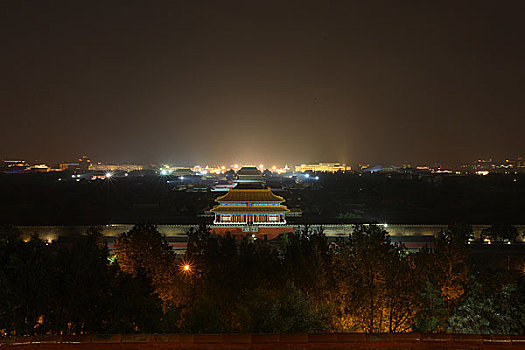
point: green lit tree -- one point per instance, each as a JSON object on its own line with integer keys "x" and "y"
{"x": 432, "y": 313}
{"x": 490, "y": 312}
{"x": 284, "y": 310}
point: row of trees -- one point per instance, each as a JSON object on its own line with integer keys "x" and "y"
{"x": 500, "y": 232}
{"x": 298, "y": 283}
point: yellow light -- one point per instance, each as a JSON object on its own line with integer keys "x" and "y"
{"x": 186, "y": 267}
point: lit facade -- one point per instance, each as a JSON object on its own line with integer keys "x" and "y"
{"x": 115, "y": 167}
{"x": 322, "y": 167}
{"x": 250, "y": 208}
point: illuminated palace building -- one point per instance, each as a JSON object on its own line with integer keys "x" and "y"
{"x": 250, "y": 208}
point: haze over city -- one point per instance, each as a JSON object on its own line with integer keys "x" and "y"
{"x": 271, "y": 82}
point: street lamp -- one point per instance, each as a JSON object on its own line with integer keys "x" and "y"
{"x": 186, "y": 267}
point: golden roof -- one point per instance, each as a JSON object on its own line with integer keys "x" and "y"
{"x": 253, "y": 210}
{"x": 250, "y": 195}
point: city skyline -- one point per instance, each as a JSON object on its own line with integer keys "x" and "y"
{"x": 237, "y": 163}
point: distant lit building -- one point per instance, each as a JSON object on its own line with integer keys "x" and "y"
{"x": 507, "y": 166}
{"x": 381, "y": 169}
{"x": 40, "y": 168}
{"x": 223, "y": 186}
{"x": 115, "y": 167}
{"x": 206, "y": 170}
{"x": 323, "y": 167}
{"x": 250, "y": 208}
{"x": 176, "y": 170}
{"x": 13, "y": 166}
{"x": 520, "y": 165}
{"x": 81, "y": 165}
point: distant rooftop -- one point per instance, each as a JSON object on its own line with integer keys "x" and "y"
{"x": 250, "y": 175}
{"x": 249, "y": 170}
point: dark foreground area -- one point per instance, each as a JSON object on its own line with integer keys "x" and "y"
{"x": 301, "y": 282}
{"x": 269, "y": 341}
{"x": 58, "y": 199}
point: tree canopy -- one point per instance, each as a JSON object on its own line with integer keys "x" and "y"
{"x": 300, "y": 282}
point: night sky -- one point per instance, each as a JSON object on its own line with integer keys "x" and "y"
{"x": 259, "y": 81}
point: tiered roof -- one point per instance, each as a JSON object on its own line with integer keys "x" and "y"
{"x": 257, "y": 209}
{"x": 250, "y": 175}
{"x": 250, "y": 196}
{"x": 239, "y": 195}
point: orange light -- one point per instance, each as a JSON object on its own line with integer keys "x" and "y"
{"x": 186, "y": 268}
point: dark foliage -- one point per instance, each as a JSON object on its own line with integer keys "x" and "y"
{"x": 298, "y": 283}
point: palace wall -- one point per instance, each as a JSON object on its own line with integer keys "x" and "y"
{"x": 48, "y": 232}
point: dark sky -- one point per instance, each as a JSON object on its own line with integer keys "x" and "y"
{"x": 261, "y": 81}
